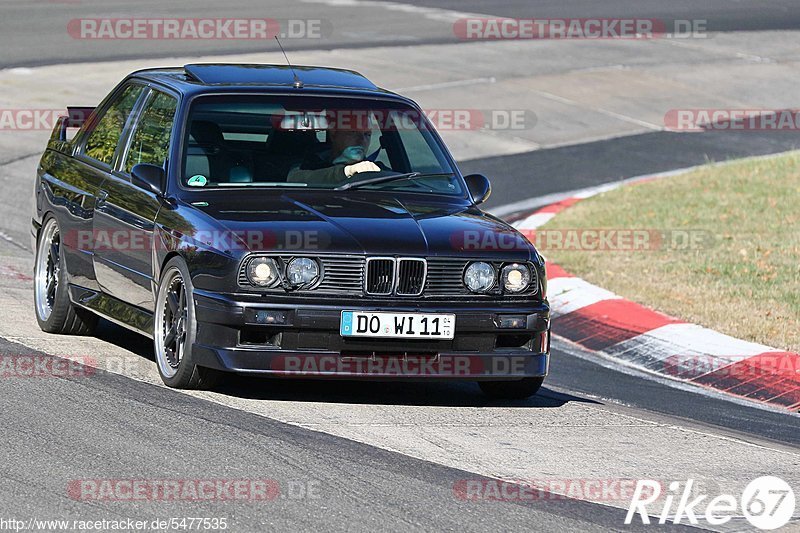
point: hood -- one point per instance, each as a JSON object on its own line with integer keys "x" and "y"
{"x": 372, "y": 224}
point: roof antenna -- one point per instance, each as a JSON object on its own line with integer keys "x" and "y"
{"x": 297, "y": 83}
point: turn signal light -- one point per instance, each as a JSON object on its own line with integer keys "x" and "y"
{"x": 512, "y": 321}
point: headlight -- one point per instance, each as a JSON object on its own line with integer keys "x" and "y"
{"x": 302, "y": 271}
{"x": 262, "y": 271}
{"x": 515, "y": 277}
{"x": 479, "y": 276}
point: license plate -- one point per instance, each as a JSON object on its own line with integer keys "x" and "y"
{"x": 397, "y": 325}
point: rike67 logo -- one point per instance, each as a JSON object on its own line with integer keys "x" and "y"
{"x": 767, "y": 503}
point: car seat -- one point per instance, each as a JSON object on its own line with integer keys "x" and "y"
{"x": 208, "y": 155}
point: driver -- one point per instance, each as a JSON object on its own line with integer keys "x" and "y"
{"x": 337, "y": 165}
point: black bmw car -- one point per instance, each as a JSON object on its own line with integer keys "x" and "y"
{"x": 283, "y": 221}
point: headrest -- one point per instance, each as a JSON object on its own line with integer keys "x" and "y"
{"x": 206, "y": 132}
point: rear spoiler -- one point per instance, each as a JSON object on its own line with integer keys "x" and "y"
{"x": 76, "y": 117}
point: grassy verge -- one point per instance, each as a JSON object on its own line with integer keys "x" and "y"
{"x": 739, "y": 272}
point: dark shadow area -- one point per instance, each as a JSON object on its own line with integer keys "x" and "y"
{"x": 541, "y": 172}
{"x": 125, "y": 339}
{"x": 440, "y": 394}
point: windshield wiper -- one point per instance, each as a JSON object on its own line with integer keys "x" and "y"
{"x": 385, "y": 179}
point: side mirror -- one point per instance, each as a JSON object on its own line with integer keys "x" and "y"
{"x": 479, "y": 187}
{"x": 148, "y": 177}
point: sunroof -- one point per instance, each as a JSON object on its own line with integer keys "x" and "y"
{"x": 232, "y": 74}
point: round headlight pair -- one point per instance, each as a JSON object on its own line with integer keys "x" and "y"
{"x": 480, "y": 277}
{"x": 264, "y": 271}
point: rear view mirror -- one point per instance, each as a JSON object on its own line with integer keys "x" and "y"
{"x": 148, "y": 177}
{"x": 479, "y": 187}
{"x": 304, "y": 122}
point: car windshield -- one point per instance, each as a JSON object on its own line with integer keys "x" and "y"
{"x": 239, "y": 141}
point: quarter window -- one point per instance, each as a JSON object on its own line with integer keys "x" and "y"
{"x": 103, "y": 140}
{"x": 150, "y": 143}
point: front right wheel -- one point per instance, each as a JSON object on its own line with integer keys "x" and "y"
{"x": 511, "y": 390}
{"x": 175, "y": 329}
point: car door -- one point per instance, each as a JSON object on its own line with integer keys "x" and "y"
{"x": 125, "y": 215}
{"x": 75, "y": 181}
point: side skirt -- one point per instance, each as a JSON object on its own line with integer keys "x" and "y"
{"x": 113, "y": 310}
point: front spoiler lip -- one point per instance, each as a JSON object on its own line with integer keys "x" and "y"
{"x": 500, "y": 364}
{"x": 464, "y": 366}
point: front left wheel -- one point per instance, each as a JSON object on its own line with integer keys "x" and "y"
{"x": 175, "y": 329}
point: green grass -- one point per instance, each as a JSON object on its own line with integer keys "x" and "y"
{"x": 744, "y": 277}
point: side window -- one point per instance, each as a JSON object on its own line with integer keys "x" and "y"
{"x": 103, "y": 139}
{"x": 150, "y": 142}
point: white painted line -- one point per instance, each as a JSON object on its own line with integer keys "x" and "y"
{"x": 6, "y": 237}
{"x": 430, "y": 13}
{"x": 446, "y": 85}
{"x": 602, "y": 111}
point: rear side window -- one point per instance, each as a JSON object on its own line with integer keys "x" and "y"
{"x": 150, "y": 142}
{"x": 103, "y": 140}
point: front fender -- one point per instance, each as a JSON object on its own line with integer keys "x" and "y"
{"x": 211, "y": 253}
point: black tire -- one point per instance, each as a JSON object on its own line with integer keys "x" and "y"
{"x": 178, "y": 372}
{"x": 511, "y": 390}
{"x": 55, "y": 313}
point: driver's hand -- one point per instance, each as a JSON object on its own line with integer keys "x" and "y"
{"x": 364, "y": 166}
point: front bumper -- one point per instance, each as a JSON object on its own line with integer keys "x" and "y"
{"x": 232, "y": 337}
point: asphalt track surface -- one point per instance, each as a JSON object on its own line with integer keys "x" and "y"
{"x": 76, "y": 429}
{"x": 721, "y": 15}
{"x": 112, "y": 426}
{"x": 34, "y": 31}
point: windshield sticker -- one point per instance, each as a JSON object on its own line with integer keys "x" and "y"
{"x": 198, "y": 180}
